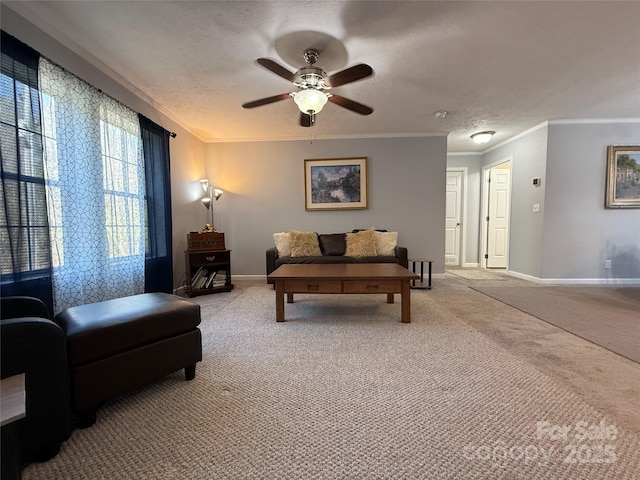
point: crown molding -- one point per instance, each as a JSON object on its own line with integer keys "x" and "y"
{"x": 323, "y": 137}
{"x": 23, "y": 10}
{"x": 592, "y": 121}
{"x": 518, "y": 136}
{"x": 464, "y": 154}
{"x": 577, "y": 121}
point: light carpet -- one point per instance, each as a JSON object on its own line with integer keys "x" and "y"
{"x": 343, "y": 389}
{"x": 606, "y": 316}
{"x": 478, "y": 273}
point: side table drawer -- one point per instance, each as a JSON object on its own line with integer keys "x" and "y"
{"x": 313, "y": 286}
{"x": 372, "y": 286}
{"x": 208, "y": 258}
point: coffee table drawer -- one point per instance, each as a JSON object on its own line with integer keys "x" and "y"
{"x": 372, "y": 286}
{"x": 313, "y": 286}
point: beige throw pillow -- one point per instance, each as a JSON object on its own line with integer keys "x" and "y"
{"x": 305, "y": 244}
{"x": 361, "y": 244}
{"x": 283, "y": 243}
{"x": 386, "y": 243}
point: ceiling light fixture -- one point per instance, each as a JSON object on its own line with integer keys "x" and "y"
{"x": 440, "y": 114}
{"x": 483, "y": 137}
{"x": 310, "y": 101}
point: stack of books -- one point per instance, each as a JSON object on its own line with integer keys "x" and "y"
{"x": 205, "y": 278}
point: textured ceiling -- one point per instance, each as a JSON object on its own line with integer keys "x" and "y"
{"x": 503, "y": 66}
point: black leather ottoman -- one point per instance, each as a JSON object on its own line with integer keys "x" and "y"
{"x": 118, "y": 345}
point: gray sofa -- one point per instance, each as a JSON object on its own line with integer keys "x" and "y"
{"x": 333, "y": 247}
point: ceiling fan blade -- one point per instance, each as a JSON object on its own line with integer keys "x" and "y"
{"x": 351, "y": 105}
{"x": 351, "y": 74}
{"x": 305, "y": 120}
{"x": 266, "y": 101}
{"x": 277, "y": 69}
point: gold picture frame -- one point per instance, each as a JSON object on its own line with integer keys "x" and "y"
{"x": 623, "y": 176}
{"x": 336, "y": 184}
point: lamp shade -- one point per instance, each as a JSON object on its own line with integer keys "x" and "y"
{"x": 310, "y": 101}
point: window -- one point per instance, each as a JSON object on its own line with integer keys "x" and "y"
{"x": 122, "y": 197}
{"x": 95, "y": 182}
{"x": 23, "y": 219}
{"x": 73, "y": 186}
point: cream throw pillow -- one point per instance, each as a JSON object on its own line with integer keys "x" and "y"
{"x": 361, "y": 244}
{"x": 386, "y": 243}
{"x": 283, "y": 243}
{"x": 305, "y": 244}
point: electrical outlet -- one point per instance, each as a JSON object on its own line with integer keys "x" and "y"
{"x": 536, "y": 208}
{"x": 607, "y": 263}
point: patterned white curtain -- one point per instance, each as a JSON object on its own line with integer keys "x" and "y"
{"x": 94, "y": 173}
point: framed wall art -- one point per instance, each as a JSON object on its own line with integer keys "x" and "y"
{"x": 335, "y": 183}
{"x": 623, "y": 177}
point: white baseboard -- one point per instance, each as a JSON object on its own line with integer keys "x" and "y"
{"x": 550, "y": 281}
{"x": 592, "y": 281}
{"x": 576, "y": 281}
{"x": 524, "y": 276}
{"x": 249, "y": 277}
{"x": 471, "y": 265}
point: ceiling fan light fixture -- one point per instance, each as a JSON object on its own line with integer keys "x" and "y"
{"x": 312, "y": 83}
{"x": 310, "y": 101}
{"x": 482, "y": 137}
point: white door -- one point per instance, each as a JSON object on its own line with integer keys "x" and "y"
{"x": 498, "y": 221}
{"x": 453, "y": 218}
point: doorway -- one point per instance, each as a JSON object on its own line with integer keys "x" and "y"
{"x": 496, "y": 208}
{"x": 454, "y": 254}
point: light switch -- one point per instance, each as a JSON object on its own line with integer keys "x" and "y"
{"x": 536, "y": 208}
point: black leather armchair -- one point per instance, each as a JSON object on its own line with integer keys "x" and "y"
{"x": 34, "y": 345}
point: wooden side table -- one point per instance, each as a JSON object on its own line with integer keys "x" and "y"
{"x": 420, "y": 285}
{"x": 13, "y": 399}
{"x": 13, "y": 408}
{"x": 208, "y": 271}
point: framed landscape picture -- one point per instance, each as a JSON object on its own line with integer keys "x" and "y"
{"x": 335, "y": 183}
{"x": 623, "y": 177}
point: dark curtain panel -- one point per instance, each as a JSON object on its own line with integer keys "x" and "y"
{"x": 24, "y": 226}
{"x": 158, "y": 264}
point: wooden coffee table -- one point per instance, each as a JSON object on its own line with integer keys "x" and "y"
{"x": 385, "y": 278}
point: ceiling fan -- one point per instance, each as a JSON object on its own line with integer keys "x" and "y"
{"x": 313, "y": 85}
